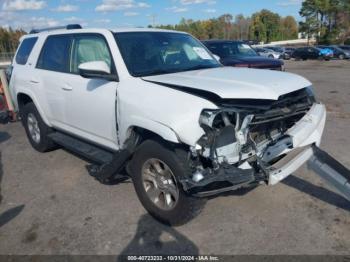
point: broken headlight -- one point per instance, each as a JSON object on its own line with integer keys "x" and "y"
{"x": 217, "y": 119}
{"x": 310, "y": 93}
{"x": 207, "y": 117}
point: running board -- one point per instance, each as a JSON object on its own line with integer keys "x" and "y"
{"x": 329, "y": 169}
{"x": 82, "y": 148}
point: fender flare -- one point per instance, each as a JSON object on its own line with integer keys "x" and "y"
{"x": 37, "y": 105}
{"x": 164, "y": 131}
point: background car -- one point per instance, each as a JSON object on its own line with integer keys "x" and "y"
{"x": 305, "y": 53}
{"x": 268, "y": 53}
{"x": 345, "y": 47}
{"x": 325, "y": 51}
{"x": 339, "y": 52}
{"x": 289, "y": 51}
{"x": 239, "y": 54}
{"x": 281, "y": 50}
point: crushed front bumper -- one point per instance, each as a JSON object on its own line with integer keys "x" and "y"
{"x": 305, "y": 133}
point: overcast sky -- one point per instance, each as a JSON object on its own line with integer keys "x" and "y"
{"x": 111, "y": 14}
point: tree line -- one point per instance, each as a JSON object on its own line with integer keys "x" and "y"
{"x": 327, "y": 20}
{"x": 9, "y": 39}
{"x": 264, "y": 26}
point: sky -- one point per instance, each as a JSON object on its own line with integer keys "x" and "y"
{"x": 28, "y": 14}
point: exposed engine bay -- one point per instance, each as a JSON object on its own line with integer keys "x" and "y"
{"x": 243, "y": 138}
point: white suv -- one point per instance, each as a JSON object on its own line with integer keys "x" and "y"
{"x": 159, "y": 104}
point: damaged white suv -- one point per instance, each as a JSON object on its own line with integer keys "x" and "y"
{"x": 158, "y": 104}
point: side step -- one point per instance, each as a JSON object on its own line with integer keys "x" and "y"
{"x": 91, "y": 152}
{"x": 331, "y": 171}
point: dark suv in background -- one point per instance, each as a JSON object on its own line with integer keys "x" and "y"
{"x": 305, "y": 53}
{"x": 240, "y": 54}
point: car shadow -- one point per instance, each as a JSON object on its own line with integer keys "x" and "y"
{"x": 4, "y": 136}
{"x": 318, "y": 192}
{"x": 1, "y": 175}
{"x": 154, "y": 238}
{"x": 10, "y": 214}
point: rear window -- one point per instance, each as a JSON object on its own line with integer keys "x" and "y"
{"x": 55, "y": 54}
{"x": 25, "y": 49}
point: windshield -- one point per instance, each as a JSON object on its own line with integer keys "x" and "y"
{"x": 154, "y": 53}
{"x": 231, "y": 49}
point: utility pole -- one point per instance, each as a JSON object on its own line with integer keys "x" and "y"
{"x": 153, "y": 20}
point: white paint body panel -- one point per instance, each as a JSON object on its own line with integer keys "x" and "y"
{"x": 304, "y": 133}
{"x": 230, "y": 82}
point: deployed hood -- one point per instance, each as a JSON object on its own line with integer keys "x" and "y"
{"x": 235, "y": 83}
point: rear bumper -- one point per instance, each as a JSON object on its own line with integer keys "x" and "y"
{"x": 307, "y": 132}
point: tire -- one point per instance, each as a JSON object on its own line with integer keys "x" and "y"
{"x": 341, "y": 57}
{"x": 38, "y": 138}
{"x": 185, "y": 207}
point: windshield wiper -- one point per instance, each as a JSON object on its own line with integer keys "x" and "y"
{"x": 163, "y": 71}
{"x": 199, "y": 67}
{"x": 154, "y": 72}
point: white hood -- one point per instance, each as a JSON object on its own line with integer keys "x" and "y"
{"x": 236, "y": 83}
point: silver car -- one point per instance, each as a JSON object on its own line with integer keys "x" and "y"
{"x": 268, "y": 53}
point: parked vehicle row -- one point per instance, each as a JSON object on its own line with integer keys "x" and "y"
{"x": 322, "y": 52}
{"x": 305, "y": 53}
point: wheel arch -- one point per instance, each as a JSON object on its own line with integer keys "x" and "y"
{"x": 157, "y": 131}
{"x": 25, "y": 98}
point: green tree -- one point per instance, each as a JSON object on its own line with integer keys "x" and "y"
{"x": 328, "y": 20}
{"x": 289, "y": 28}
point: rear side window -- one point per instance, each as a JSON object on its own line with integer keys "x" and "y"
{"x": 55, "y": 54}
{"x": 25, "y": 49}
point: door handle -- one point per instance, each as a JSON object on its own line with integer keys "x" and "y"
{"x": 67, "y": 87}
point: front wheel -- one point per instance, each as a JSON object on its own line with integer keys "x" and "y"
{"x": 156, "y": 170}
{"x": 341, "y": 57}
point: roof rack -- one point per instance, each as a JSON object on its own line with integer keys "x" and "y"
{"x": 67, "y": 27}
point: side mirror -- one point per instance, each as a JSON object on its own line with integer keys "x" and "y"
{"x": 96, "y": 69}
{"x": 217, "y": 57}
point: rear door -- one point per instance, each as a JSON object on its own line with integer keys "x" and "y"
{"x": 52, "y": 69}
{"x": 90, "y": 104}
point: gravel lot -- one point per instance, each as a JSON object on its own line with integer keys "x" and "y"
{"x": 50, "y": 205}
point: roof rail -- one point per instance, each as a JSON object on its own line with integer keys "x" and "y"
{"x": 67, "y": 27}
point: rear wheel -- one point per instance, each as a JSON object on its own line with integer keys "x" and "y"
{"x": 341, "y": 57}
{"x": 156, "y": 170}
{"x": 36, "y": 129}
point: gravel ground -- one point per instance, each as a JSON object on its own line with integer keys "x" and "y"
{"x": 51, "y": 206}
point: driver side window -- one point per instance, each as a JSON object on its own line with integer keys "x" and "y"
{"x": 87, "y": 49}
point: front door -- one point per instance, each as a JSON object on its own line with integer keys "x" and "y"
{"x": 91, "y": 108}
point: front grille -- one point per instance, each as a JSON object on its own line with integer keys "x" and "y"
{"x": 294, "y": 104}
{"x": 281, "y": 115}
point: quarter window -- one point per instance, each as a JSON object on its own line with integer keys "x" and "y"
{"x": 88, "y": 49}
{"x": 55, "y": 54}
{"x": 25, "y": 49}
